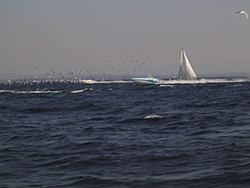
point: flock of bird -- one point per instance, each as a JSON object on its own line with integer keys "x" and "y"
{"x": 135, "y": 65}
{"x": 131, "y": 66}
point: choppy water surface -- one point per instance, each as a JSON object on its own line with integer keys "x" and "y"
{"x": 121, "y": 134}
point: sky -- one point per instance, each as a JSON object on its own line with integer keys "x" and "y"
{"x": 123, "y": 37}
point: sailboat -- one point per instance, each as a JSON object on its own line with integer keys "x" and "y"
{"x": 186, "y": 71}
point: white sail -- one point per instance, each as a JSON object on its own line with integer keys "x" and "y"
{"x": 186, "y": 71}
{"x": 181, "y": 69}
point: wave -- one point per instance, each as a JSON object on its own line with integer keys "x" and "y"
{"x": 78, "y": 91}
{"x": 153, "y": 117}
{"x": 7, "y": 91}
{"x": 94, "y": 180}
{"x": 32, "y": 91}
{"x": 44, "y": 91}
{"x": 167, "y": 85}
{"x": 82, "y": 90}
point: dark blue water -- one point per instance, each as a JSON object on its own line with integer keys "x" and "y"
{"x": 80, "y": 135}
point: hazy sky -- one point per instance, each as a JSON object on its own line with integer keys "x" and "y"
{"x": 125, "y": 37}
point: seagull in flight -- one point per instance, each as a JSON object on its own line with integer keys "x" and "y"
{"x": 242, "y": 12}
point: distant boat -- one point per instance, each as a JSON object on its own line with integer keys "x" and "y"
{"x": 148, "y": 80}
{"x": 186, "y": 71}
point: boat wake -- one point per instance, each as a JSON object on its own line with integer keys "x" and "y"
{"x": 204, "y": 81}
{"x": 114, "y": 82}
{"x": 165, "y": 83}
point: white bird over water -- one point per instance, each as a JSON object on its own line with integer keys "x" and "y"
{"x": 242, "y": 12}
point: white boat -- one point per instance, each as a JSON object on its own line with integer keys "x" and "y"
{"x": 186, "y": 71}
{"x": 148, "y": 80}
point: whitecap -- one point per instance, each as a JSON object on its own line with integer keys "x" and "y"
{"x": 153, "y": 116}
{"x": 36, "y": 91}
{"x": 82, "y": 90}
{"x": 237, "y": 85}
{"x": 78, "y": 91}
{"x": 44, "y": 91}
{"x": 167, "y": 85}
{"x": 7, "y": 91}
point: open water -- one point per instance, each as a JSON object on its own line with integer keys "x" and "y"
{"x": 122, "y": 134}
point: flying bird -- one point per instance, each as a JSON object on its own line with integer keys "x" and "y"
{"x": 242, "y": 12}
